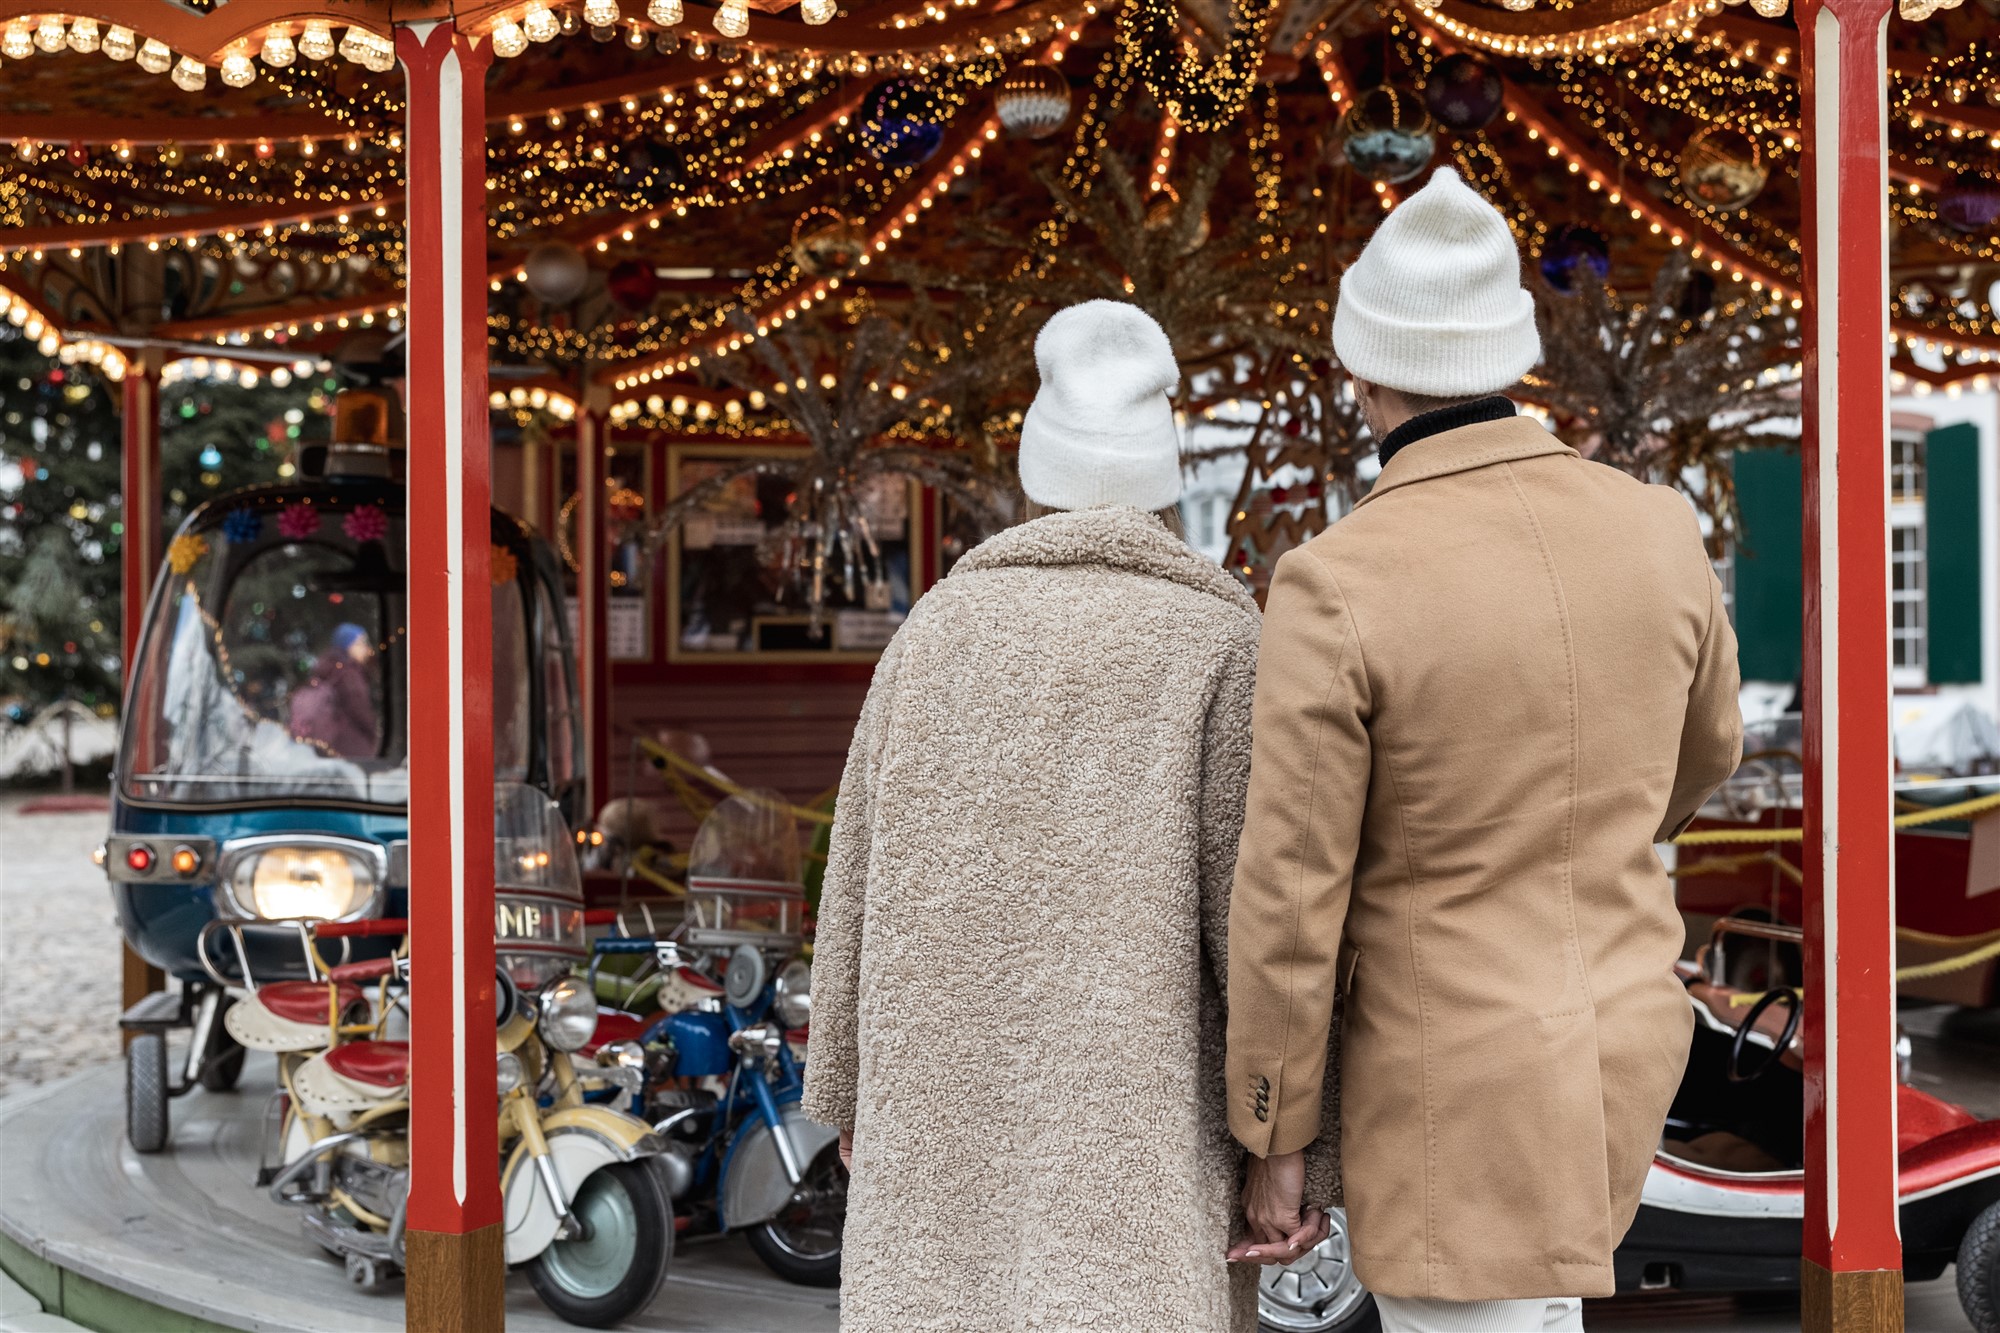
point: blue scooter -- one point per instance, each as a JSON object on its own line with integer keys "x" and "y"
{"x": 723, "y": 1066}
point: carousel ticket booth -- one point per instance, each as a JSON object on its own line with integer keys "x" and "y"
{"x": 648, "y": 275}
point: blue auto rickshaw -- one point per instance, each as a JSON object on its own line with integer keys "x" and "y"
{"x": 262, "y": 781}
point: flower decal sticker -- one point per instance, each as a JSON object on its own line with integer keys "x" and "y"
{"x": 366, "y": 523}
{"x": 243, "y": 526}
{"x": 296, "y": 522}
{"x": 184, "y": 550}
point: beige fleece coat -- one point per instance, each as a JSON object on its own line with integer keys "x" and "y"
{"x": 1016, "y": 997}
{"x": 1482, "y": 698}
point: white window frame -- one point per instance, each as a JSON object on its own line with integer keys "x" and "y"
{"x": 1909, "y": 647}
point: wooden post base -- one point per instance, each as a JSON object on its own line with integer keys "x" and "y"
{"x": 1865, "y": 1302}
{"x": 457, "y": 1282}
{"x": 137, "y": 979}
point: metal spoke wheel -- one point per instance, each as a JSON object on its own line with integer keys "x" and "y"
{"x": 1317, "y": 1293}
{"x": 802, "y": 1243}
{"x": 616, "y": 1266}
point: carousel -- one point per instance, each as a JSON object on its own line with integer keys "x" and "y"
{"x": 700, "y": 334}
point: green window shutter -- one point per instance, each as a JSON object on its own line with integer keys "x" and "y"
{"x": 1951, "y": 553}
{"x": 1769, "y": 576}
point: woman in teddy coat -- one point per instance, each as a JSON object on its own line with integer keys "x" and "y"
{"x": 1017, "y": 1010}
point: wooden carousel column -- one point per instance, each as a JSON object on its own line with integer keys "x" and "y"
{"x": 139, "y": 549}
{"x": 1851, "y": 1272}
{"x": 593, "y": 592}
{"x": 454, "y": 1245}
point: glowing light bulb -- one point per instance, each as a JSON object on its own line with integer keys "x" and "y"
{"x": 508, "y": 39}
{"x": 666, "y": 13}
{"x": 278, "y": 50}
{"x": 190, "y": 75}
{"x": 600, "y": 13}
{"x": 817, "y": 12}
{"x": 50, "y": 36}
{"x": 120, "y": 43}
{"x": 239, "y": 70}
{"x": 733, "y": 19}
{"x": 83, "y": 36}
{"x": 19, "y": 43}
{"x": 1771, "y": 9}
{"x": 539, "y": 24}
{"x": 316, "y": 42}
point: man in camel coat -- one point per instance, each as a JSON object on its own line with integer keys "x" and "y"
{"x": 1481, "y": 698}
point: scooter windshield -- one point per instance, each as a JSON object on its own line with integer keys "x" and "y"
{"x": 751, "y": 836}
{"x": 274, "y": 664}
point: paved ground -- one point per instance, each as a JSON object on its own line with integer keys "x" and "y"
{"x": 59, "y": 947}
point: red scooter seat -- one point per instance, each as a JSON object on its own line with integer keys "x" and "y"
{"x": 304, "y": 1001}
{"x": 379, "y": 1064}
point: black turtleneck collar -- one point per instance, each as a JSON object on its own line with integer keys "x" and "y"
{"x": 1426, "y": 424}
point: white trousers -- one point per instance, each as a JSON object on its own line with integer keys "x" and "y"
{"x": 1556, "y": 1314}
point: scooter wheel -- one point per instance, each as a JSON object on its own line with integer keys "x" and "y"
{"x": 146, "y": 1092}
{"x": 802, "y": 1243}
{"x": 1979, "y": 1271}
{"x": 617, "y": 1267}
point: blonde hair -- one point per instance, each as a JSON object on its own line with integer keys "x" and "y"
{"x": 1170, "y": 516}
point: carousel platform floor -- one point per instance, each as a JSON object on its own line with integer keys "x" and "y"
{"x": 182, "y": 1241}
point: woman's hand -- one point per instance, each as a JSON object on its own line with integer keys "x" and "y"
{"x": 1281, "y": 1228}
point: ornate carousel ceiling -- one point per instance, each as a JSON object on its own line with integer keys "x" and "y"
{"x": 669, "y": 178}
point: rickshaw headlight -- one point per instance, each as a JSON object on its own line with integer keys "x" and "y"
{"x": 793, "y": 997}
{"x": 302, "y": 883}
{"x": 569, "y": 1014}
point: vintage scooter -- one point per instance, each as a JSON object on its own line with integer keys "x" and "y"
{"x": 262, "y": 773}
{"x": 586, "y": 1209}
{"x": 723, "y": 1060}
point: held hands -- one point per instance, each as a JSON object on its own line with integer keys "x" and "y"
{"x": 1281, "y": 1227}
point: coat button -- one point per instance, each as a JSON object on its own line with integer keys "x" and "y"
{"x": 1263, "y": 1114}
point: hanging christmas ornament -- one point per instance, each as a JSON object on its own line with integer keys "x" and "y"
{"x": 1971, "y": 203}
{"x": 1163, "y": 212}
{"x": 1032, "y": 100}
{"x": 296, "y": 522}
{"x": 633, "y": 284}
{"x": 899, "y": 123}
{"x": 1387, "y": 135}
{"x": 1464, "y": 93}
{"x": 1722, "y": 169}
{"x": 556, "y": 273}
{"x": 825, "y": 241}
{"x": 1570, "y": 246}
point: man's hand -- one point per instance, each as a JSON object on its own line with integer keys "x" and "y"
{"x": 847, "y": 1149}
{"x": 1281, "y": 1228}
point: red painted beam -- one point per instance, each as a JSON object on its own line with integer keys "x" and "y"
{"x": 455, "y": 1272}
{"x": 1853, "y": 1257}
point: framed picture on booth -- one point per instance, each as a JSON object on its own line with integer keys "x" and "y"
{"x": 738, "y": 568}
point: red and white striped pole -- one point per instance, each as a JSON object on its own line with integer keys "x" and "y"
{"x": 1851, "y": 1273}
{"x": 454, "y": 1245}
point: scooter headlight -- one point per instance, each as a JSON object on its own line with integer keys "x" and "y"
{"x": 793, "y": 994}
{"x": 298, "y": 880}
{"x": 509, "y": 1072}
{"x": 569, "y": 1014}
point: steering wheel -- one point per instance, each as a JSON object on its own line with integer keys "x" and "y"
{"x": 1737, "y": 1073}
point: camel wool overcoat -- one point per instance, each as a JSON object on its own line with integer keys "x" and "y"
{"x": 1482, "y": 697}
{"x": 1017, "y": 974}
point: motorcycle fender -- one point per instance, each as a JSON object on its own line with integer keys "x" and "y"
{"x": 754, "y": 1184}
{"x": 582, "y": 1140}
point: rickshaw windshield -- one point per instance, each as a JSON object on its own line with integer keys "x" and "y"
{"x": 274, "y": 664}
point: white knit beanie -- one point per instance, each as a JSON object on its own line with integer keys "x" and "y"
{"x": 1434, "y": 305}
{"x": 1101, "y": 431}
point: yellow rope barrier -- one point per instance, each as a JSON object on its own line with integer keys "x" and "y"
{"x": 686, "y": 768}
{"x": 1914, "y": 819}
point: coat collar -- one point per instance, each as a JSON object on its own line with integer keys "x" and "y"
{"x": 1478, "y": 445}
{"x": 1111, "y": 537}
